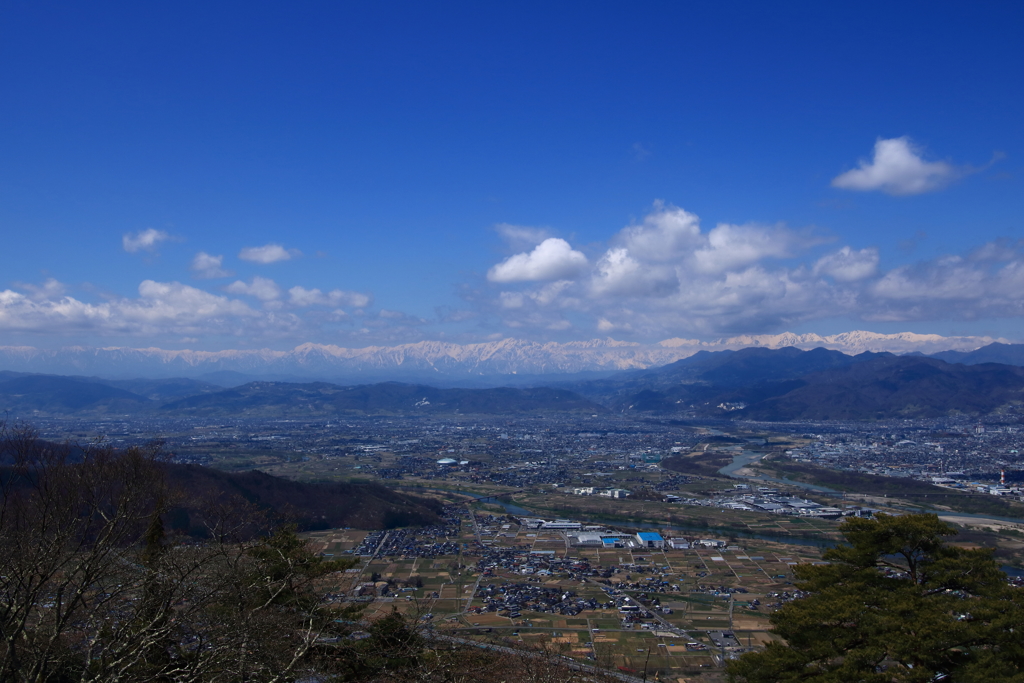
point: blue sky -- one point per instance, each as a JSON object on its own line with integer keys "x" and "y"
{"x": 237, "y": 175}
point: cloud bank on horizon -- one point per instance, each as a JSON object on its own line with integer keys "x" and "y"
{"x": 662, "y": 276}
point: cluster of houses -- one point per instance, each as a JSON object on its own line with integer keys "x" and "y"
{"x": 509, "y": 599}
{"x": 954, "y": 455}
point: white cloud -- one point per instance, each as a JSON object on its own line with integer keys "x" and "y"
{"x": 550, "y": 292}
{"x": 668, "y": 250}
{"x": 750, "y": 279}
{"x": 268, "y": 253}
{"x": 552, "y": 259}
{"x": 735, "y": 246}
{"x": 937, "y": 282}
{"x": 162, "y": 308}
{"x": 1000, "y": 250}
{"x": 300, "y": 296}
{"x": 356, "y": 299}
{"x": 847, "y": 265}
{"x": 144, "y": 240}
{"x": 173, "y": 301}
{"x": 172, "y": 312}
{"x": 521, "y": 237}
{"x": 665, "y": 271}
{"x": 665, "y": 234}
{"x": 50, "y": 289}
{"x": 618, "y": 273}
{"x": 898, "y": 169}
{"x": 206, "y": 266}
{"x": 512, "y": 299}
{"x": 262, "y": 288}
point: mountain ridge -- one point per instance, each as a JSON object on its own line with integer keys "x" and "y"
{"x": 25, "y": 396}
{"x": 753, "y": 383}
{"x": 791, "y": 384}
{"x": 420, "y": 361}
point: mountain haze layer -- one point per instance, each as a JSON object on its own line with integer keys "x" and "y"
{"x": 442, "y": 361}
{"x": 26, "y": 396}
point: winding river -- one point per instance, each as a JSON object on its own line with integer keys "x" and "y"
{"x": 744, "y": 458}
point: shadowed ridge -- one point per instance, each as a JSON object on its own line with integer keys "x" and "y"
{"x": 310, "y": 506}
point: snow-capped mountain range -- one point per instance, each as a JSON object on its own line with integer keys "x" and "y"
{"x": 446, "y": 360}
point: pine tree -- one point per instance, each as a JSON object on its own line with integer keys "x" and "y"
{"x": 896, "y": 604}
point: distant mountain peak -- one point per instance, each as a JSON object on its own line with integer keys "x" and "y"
{"x": 432, "y": 358}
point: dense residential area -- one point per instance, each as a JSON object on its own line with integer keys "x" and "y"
{"x": 615, "y": 541}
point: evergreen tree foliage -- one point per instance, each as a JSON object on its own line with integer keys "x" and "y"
{"x": 896, "y": 604}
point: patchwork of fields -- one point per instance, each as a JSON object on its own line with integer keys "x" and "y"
{"x": 695, "y": 606}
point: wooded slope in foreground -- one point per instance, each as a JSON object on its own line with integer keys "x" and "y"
{"x": 96, "y": 587}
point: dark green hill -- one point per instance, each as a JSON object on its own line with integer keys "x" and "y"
{"x": 894, "y": 386}
{"x": 26, "y": 395}
{"x": 1008, "y": 354}
{"x": 708, "y": 379}
{"x": 23, "y": 393}
{"x": 281, "y": 399}
{"x": 789, "y": 384}
{"x": 161, "y": 390}
{"x": 247, "y": 502}
{"x": 749, "y": 366}
{"x": 310, "y": 506}
{"x": 755, "y": 383}
{"x": 54, "y": 395}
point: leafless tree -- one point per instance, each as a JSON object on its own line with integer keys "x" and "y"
{"x": 93, "y": 589}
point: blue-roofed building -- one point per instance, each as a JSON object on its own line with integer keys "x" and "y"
{"x": 649, "y": 539}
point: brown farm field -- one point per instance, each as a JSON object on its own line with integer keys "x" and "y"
{"x": 692, "y": 594}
